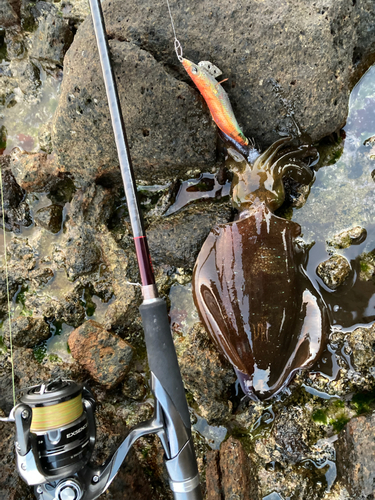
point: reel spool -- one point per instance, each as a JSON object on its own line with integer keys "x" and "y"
{"x": 60, "y": 425}
{"x": 55, "y": 431}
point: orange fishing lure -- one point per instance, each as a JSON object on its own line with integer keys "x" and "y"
{"x": 204, "y": 76}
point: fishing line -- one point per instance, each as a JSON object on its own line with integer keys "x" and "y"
{"x": 177, "y": 45}
{"x": 7, "y": 287}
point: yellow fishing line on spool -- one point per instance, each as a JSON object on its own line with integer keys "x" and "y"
{"x": 47, "y": 418}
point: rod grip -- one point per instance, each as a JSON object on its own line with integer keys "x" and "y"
{"x": 162, "y": 358}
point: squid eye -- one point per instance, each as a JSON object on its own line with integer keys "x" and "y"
{"x": 194, "y": 70}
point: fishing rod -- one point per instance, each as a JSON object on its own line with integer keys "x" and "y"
{"x": 55, "y": 423}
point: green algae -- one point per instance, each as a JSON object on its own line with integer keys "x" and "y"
{"x": 363, "y": 402}
{"x": 320, "y": 417}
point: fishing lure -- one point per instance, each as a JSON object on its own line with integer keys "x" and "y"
{"x": 249, "y": 283}
{"x": 204, "y": 76}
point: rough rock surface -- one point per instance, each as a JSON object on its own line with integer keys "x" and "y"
{"x": 16, "y": 211}
{"x": 177, "y": 240}
{"x": 34, "y": 172}
{"x": 26, "y": 331}
{"x": 230, "y": 473}
{"x": 158, "y": 150}
{"x": 356, "y": 456}
{"x": 352, "y": 236}
{"x": 9, "y": 12}
{"x": 52, "y": 37}
{"x": 334, "y": 271}
{"x": 50, "y": 218}
{"x": 104, "y": 355}
{"x": 280, "y": 59}
{"x": 206, "y": 375}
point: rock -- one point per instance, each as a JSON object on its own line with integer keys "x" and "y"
{"x": 134, "y": 386}
{"x": 104, "y": 355}
{"x": 44, "y": 137}
{"x": 11, "y": 485}
{"x": 12, "y": 192}
{"x": 280, "y": 60}
{"x": 149, "y": 95}
{"x": 27, "y": 331}
{"x": 355, "y": 449}
{"x": 23, "y": 255}
{"x": 290, "y": 436}
{"x": 78, "y": 251}
{"x": 75, "y": 11}
{"x": 361, "y": 344}
{"x": 11, "y": 284}
{"x": 50, "y": 218}
{"x": 28, "y": 372}
{"x": 367, "y": 266}
{"x": 177, "y": 240}
{"x": 132, "y": 482}
{"x": 231, "y": 474}
{"x": 353, "y": 236}
{"x": 121, "y": 265}
{"x": 9, "y": 13}
{"x": 206, "y": 375}
{"x": 17, "y": 212}
{"x": 27, "y": 75}
{"x": 52, "y": 37}
{"x": 35, "y": 172}
{"x": 334, "y": 271}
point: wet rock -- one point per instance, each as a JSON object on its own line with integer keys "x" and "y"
{"x": 291, "y": 434}
{"x": 26, "y": 331}
{"x": 355, "y": 457}
{"x": 367, "y": 266}
{"x": 39, "y": 277}
{"x": 68, "y": 310}
{"x": 12, "y": 193}
{"x": 231, "y": 473}
{"x": 15, "y": 44}
{"x": 9, "y": 13}
{"x": 104, "y": 355}
{"x": 50, "y": 218}
{"x": 17, "y": 212}
{"x": 206, "y": 375}
{"x": 334, "y": 271}
{"x": 361, "y": 344}
{"x": 79, "y": 252}
{"x": 7, "y": 282}
{"x": 134, "y": 386}
{"x": 11, "y": 485}
{"x": 75, "y": 11}
{"x": 23, "y": 255}
{"x": 7, "y": 91}
{"x": 312, "y": 83}
{"x": 131, "y": 482}
{"x": 44, "y": 138}
{"x": 27, "y": 75}
{"x": 28, "y": 371}
{"x": 121, "y": 264}
{"x": 52, "y": 37}
{"x": 34, "y": 172}
{"x": 177, "y": 240}
{"x": 353, "y": 236}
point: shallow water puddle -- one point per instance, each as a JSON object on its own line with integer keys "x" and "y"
{"x": 23, "y": 120}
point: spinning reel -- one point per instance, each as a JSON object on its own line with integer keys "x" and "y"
{"x": 55, "y": 438}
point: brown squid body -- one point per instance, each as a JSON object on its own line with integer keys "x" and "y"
{"x": 257, "y": 303}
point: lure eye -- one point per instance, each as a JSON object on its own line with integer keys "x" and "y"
{"x": 194, "y": 70}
